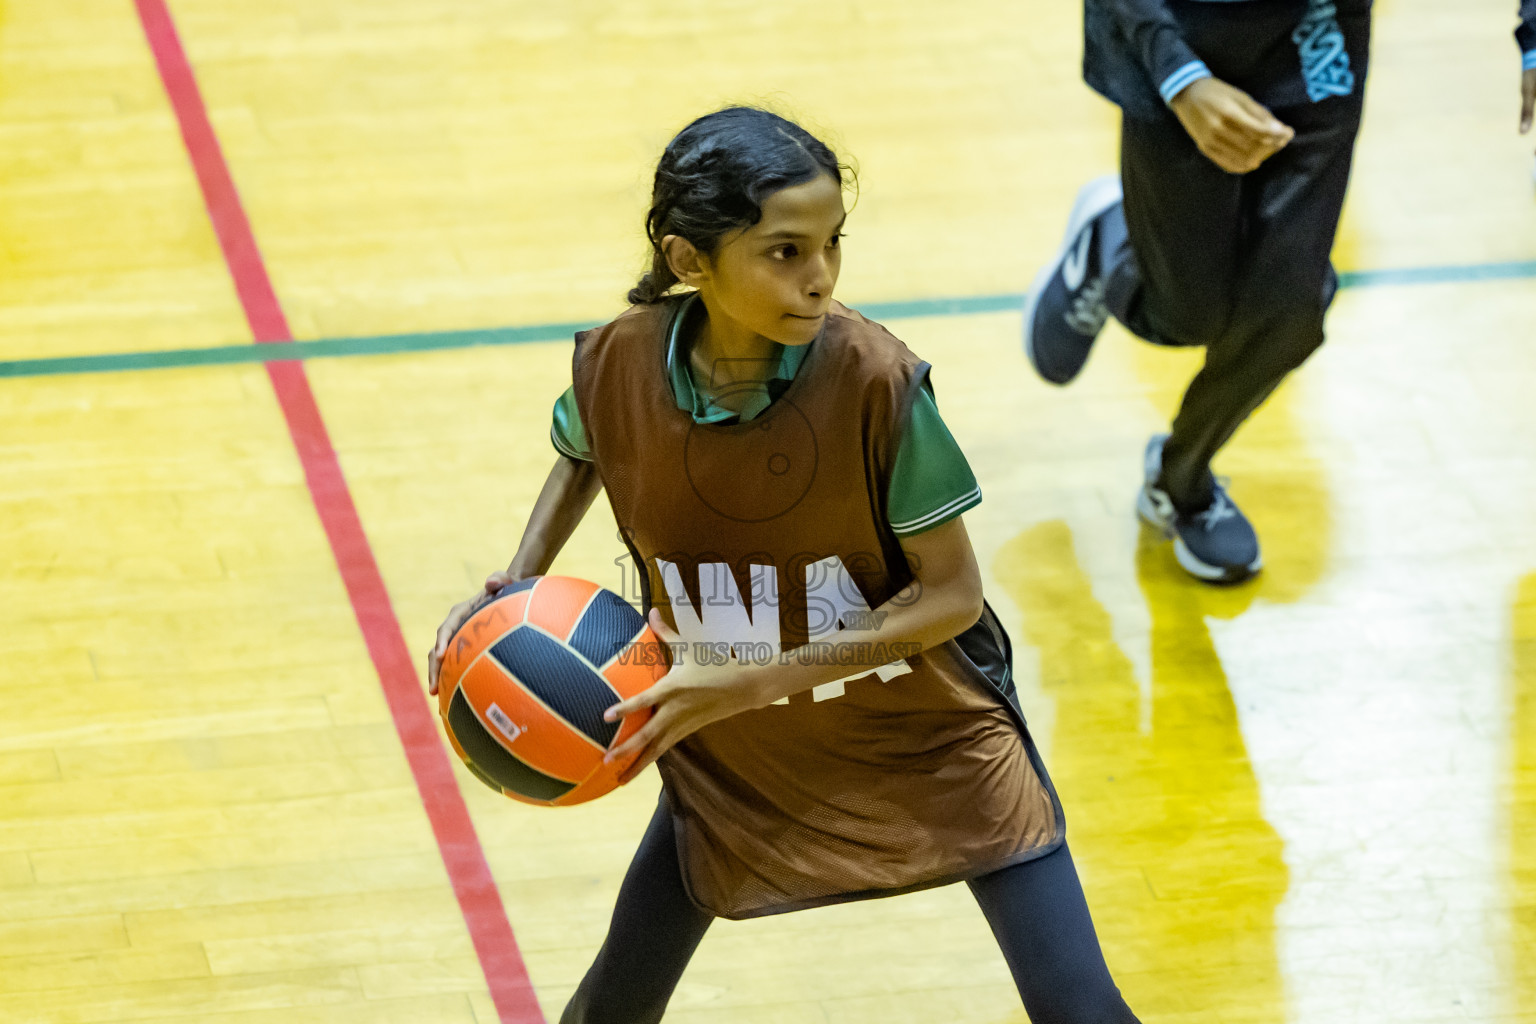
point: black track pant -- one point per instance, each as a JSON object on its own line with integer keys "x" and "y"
{"x": 1036, "y": 911}
{"x": 1236, "y": 263}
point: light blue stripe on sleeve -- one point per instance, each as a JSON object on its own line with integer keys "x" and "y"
{"x": 1182, "y": 78}
{"x": 1528, "y": 62}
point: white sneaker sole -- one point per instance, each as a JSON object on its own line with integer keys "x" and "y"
{"x": 1092, "y": 200}
{"x": 1148, "y": 512}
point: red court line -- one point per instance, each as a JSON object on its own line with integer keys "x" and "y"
{"x": 479, "y": 900}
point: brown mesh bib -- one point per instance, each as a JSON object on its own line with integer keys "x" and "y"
{"x": 764, "y": 536}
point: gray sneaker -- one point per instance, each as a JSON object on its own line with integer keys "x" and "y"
{"x": 1065, "y": 311}
{"x": 1216, "y": 544}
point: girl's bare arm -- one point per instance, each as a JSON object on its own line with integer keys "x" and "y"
{"x": 568, "y": 493}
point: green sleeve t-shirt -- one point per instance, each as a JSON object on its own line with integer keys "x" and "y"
{"x": 931, "y": 482}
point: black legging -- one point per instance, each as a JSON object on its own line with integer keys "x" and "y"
{"x": 1036, "y": 911}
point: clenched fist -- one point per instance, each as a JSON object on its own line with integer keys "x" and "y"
{"x": 1230, "y": 127}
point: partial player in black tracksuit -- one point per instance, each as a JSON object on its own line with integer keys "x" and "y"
{"x": 1238, "y": 129}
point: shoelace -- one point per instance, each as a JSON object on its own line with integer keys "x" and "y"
{"x": 1089, "y": 312}
{"x": 1221, "y": 508}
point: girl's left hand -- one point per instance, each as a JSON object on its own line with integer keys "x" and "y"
{"x": 686, "y": 699}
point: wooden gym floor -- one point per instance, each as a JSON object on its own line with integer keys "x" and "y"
{"x": 1308, "y": 799}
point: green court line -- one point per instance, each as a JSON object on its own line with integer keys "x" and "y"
{"x": 969, "y": 305}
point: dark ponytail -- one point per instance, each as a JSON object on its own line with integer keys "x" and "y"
{"x": 713, "y": 179}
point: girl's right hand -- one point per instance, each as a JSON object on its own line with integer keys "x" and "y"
{"x": 456, "y": 616}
